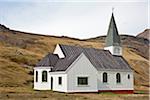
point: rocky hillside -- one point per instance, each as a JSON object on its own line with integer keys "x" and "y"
{"x": 145, "y": 34}
{"x": 20, "y": 51}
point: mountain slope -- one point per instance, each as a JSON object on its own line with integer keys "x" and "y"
{"x": 20, "y": 51}
{"x": 145, "y": 34}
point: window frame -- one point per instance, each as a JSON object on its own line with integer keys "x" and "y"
{"x": 60, "y": 80}
{"x": 36, "y": 76}
{"x": 118, "y": 78}
{"x": 81, "y": 82}
{"x": 105, "y": 77}
{"x": 44, "y": 77}
{"x": 128, "y": 76}
{"x": 117, "y": 50}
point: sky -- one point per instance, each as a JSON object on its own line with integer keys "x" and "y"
{"x": 75, "y": 18}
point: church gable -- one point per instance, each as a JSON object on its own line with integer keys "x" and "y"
{"x": 81, "y": 63}
{"x": 59, "y": 51}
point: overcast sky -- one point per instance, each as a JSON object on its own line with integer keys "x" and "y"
{"x": 74, "y": 18}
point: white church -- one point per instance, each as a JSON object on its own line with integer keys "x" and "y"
{"x": 74, "y": 69}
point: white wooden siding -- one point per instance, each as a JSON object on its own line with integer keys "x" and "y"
{"x": 56, "y": 86}
{"x": 112, "y": 50}
{"x": 82, "y": 67}
{"x": 41, "y": 85}
{"x": 126, "y": 84}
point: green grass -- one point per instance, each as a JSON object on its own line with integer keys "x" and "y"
{"x": 140, "y": 92}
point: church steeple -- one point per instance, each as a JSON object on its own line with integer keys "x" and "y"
{"x": 113, "y": 43}
{"x": 113, "y": 38}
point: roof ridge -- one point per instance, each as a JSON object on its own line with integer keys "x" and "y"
{"x": 82, "y": 47}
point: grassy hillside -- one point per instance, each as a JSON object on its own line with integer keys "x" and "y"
{"x": 20, "y": 51}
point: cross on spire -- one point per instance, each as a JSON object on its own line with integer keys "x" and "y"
{"x": 113, "y": 9}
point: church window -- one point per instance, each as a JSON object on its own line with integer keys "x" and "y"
{"x": 44, "y": 76}
{"x": 36, "y": 76}
{"x": 82, "y": 80}
{"x": 117, "y": 50}
{"x": 128, "y": 76}
{"x": 118, "y": 78}
{"x": 104, "y": 77}
{"x": 60, "y": 80}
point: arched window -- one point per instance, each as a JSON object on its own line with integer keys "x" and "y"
{"x": 44, "y": 76}
{"x": 104, "y": 77}
{"x": 36, "y": 76}
{"x": 117, "y": 50}
{"x": 118, "y": 78}
{"x": 128, "y": 76}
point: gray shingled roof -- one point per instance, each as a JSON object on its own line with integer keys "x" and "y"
{"x": 113, "y": 38}
{"x": 101, "y": 59}
{"x": 49, "y": 60}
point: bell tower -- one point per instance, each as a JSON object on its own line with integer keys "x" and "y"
{"x": 113, "y": 42}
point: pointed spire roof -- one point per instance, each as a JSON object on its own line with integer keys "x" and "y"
{"x": 113, "y": 38}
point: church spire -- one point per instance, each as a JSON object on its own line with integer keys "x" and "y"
{"x": 113, "y": 43}
{"x": 113, "y": 38}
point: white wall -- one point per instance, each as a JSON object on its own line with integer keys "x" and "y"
{"x": 126, "y": 84}
{"x": 59, "y": 52}
{"x": 112, "y": 50}
{"x": 41, "y": 85}
{"x": 56, "y": 86}
{"x": 82, "y": 67}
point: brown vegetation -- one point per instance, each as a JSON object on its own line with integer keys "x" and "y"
{"x": 20, "y": 51}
